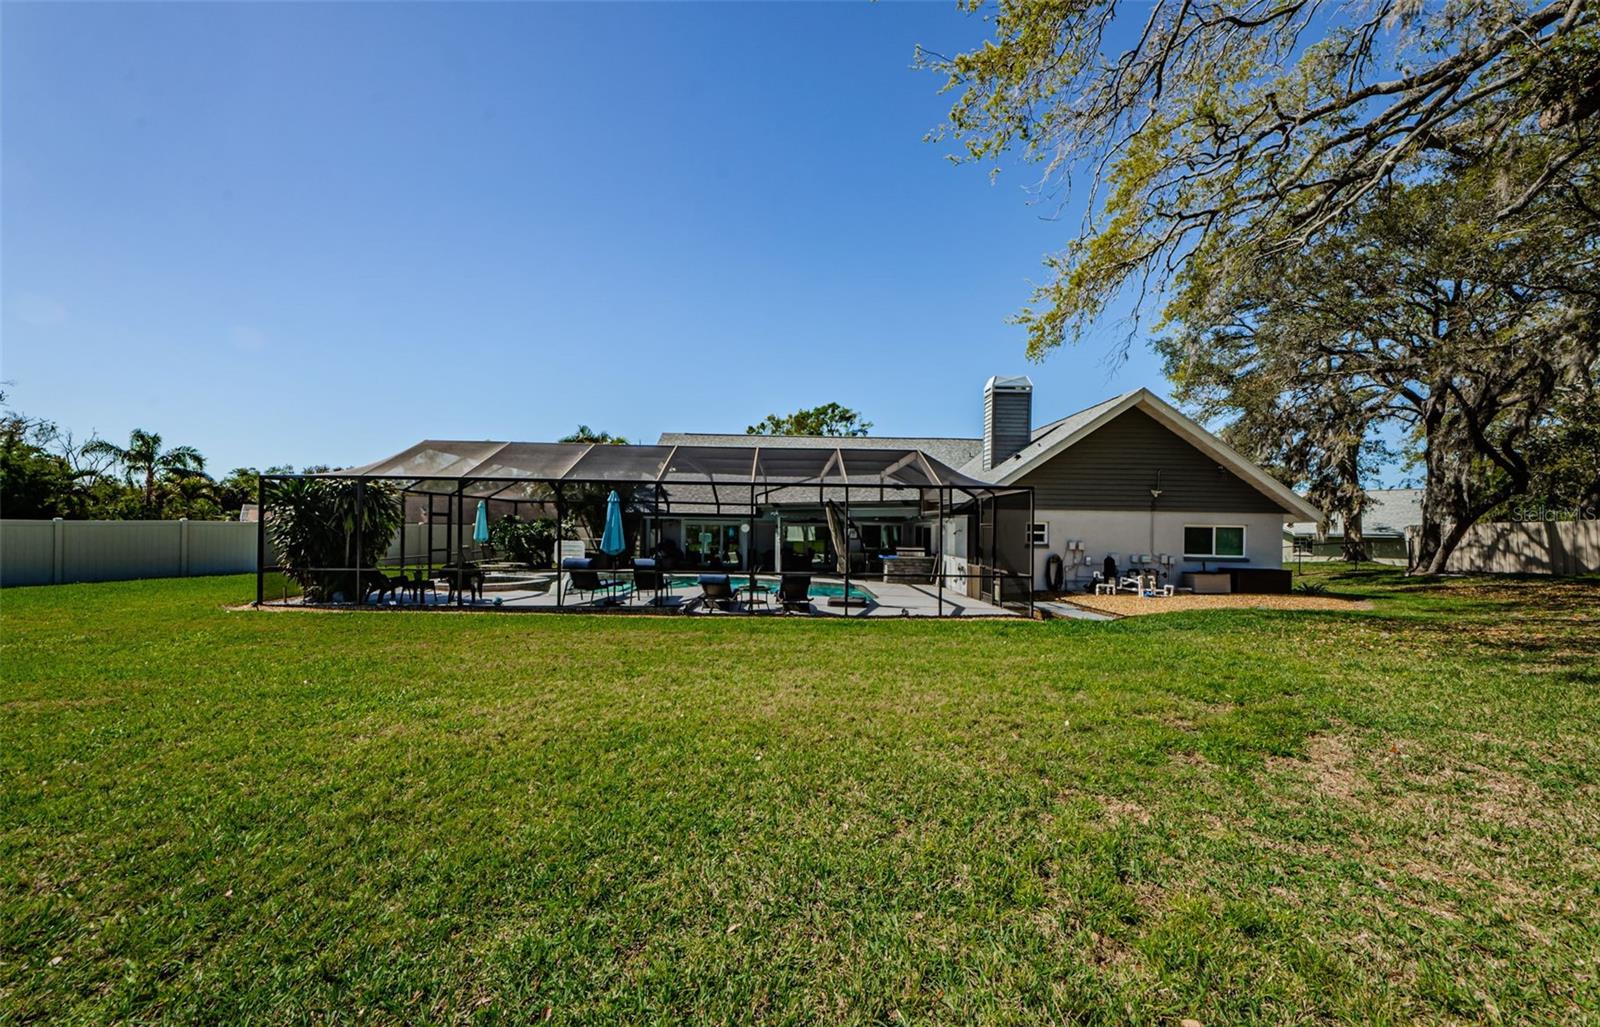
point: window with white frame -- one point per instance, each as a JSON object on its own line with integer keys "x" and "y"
{"x": 1039, "y": 534}
{"x": 1214, "y": 541}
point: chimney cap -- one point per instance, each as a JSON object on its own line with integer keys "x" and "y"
{"x": 1008, "y": 381}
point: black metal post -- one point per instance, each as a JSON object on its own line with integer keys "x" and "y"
{"x": 261, "y": 539}
{"x": 560, "y": 519}
{"x": 449, "y": 532}
{"x": 1032, "y": 513}
{"x": 461, "y": 542}
{"x": 940, "y": 494}
{"x": 847, "y": 547}
{"x": 361, "y": 496}
{"x": 750, "y": 550}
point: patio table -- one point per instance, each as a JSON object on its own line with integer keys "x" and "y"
{"x": 754, "y": 595}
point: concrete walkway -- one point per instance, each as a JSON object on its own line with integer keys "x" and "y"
{"x": 1070, "y": 612}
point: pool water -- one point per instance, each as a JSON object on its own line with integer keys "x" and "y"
{"x": 818, "y": 589}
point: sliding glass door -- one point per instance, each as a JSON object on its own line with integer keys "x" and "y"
{"x": 713, "y": 543}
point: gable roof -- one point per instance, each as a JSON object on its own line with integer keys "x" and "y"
{"x": 1062, "y": 434}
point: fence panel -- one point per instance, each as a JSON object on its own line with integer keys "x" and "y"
{"x": 37, "y": 552}
{"x": 27, "y": 552}
{"x": 119, "y": 550}
{"x": 1529, "y": 547}
{"x": 222, "y": 547}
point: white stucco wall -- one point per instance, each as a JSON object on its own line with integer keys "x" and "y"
{"x": 1126, "y": 532}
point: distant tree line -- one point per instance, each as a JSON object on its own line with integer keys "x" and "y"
{"x": 47, "y": 471}
{"x": 827, "y": 419}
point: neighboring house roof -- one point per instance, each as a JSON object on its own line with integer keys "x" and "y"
{"x": 1388, "y": 512}
{"x": 1060, "y": 435}
{"x": 951, "y": 451}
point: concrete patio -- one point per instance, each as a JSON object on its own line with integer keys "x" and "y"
{"x": 889, "y": 599}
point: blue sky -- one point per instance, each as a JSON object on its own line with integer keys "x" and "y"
{"x": 316, "y": 233}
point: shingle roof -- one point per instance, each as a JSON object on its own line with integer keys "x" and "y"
{"x": 1388, "y": 512}
{"x": 1073, "y": 428}
{"x": 1043, "y": 436}
{"x": 951, "y": 451}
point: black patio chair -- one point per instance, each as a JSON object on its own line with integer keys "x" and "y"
{"x": 462, "y": 580}
{"x": 418, "y": 584}
{"x": 583, "y": 578}
{"x": 718, "y": 590}
{"x": 648, "y": 577}
{"x": 376, "y": 582}
{"x": 794, "y": 593}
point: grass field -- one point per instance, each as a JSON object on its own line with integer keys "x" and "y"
{"x": 1389, "y": 815}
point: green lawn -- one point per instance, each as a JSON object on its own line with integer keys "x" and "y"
{"x": 226, "y": 817}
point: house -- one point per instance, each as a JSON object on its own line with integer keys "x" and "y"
{"x": 1018, "y": 508}
{"x": 1389, "y": 519}
{"x": 1130, "y": 479}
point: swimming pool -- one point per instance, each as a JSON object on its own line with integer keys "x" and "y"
{"x": 818, "y": 589}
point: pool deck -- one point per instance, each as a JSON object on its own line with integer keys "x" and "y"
{"x": 892, "y": 599}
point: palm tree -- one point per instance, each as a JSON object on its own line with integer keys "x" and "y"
{"x": 192, "y": 496}
{"x": 588, "y": 434}
{"x": 145, "y": 464}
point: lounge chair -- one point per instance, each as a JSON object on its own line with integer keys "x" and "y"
{"x": 583, "y": 578}
{"x": 794, "y": 593}
{"x": 647, "y": 577}
{"x": 717, "y": 590}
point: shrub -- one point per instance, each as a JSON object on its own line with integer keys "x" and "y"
{"x": 311, "y": 523}
{"x": 1311, "y": 588}
{"x": 529, "y": 542}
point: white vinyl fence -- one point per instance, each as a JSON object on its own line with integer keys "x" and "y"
{"x": 56, "y": 552}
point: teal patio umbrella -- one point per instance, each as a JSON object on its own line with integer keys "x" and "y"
{"x": 611, "y": 541}
{"x": 480, "y": 528}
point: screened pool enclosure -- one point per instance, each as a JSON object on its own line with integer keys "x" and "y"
{"x": 852, "y": 514}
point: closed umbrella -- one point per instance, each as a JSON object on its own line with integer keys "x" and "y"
{"x": 611, "y": 540}
{"x": 480, "y": 528}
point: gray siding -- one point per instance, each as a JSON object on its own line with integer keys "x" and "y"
{"x": 1007, "y": 423}
{"x": 1115, "y": 468}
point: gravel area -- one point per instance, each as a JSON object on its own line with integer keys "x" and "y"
{"x": 1133, "y": 606}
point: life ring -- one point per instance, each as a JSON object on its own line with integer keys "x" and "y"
{"x": 1053, "y": 569}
